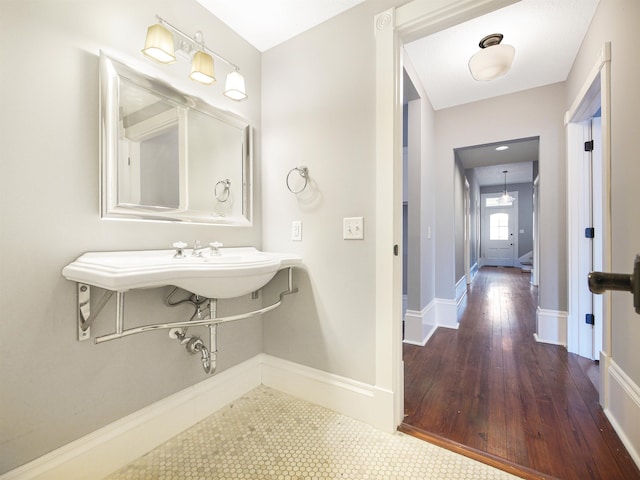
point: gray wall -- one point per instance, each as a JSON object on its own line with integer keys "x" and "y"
{"x": 319, "y": 110}
{"x": 535, "y": 112}
{"x": 617, "y": 21}
{"x": 55, "y": 389}
{"x": 421, "y": 207}
{"x": 317, "y": 96}
{"x": 525, "y": 212}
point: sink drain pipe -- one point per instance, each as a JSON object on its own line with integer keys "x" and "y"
{"x": 208, "y": 356}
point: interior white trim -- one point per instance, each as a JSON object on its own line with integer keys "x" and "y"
{"x": 589, "y": 95}
{"x": 446, "y": 313}
{"x": 419, "y": 326}
{"x": 551, "y": 327}
{"x": 393, "y": 27}
{"x": 461, "y": 289}
{"x": 623, "y": 407}
{"x": 364, "y": 402}
{"x": 110, "y": 448}
{"x": 485, "y": 213}
{"x": 594, "y": 93}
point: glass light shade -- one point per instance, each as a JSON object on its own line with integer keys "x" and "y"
{"x": 159, "y": 44}
{"x": 491, "y": 62}
{"x": 202, "y": 68}
{"x": 234, "y": 86}
{"x": 505, "y": 199}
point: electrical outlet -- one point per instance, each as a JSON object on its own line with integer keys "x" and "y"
{"x": 353, "y": 228}
{"x": 296, "y": 230}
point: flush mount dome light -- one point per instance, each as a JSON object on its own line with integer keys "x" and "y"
{"x": 493, "y": 61}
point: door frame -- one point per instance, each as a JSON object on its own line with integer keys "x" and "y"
{"x": 514, "y": 224}
{"x": 394, "y": 27}
{"x": 467, "y": 231}
{"x": 596, "y": 91}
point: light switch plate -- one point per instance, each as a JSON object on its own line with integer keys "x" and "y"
{"x": 296, "y": 230}
{"x": 353, "y": 228}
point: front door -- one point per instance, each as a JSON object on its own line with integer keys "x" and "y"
{"x": 498, "y": 227}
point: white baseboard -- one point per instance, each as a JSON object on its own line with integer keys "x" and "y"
{"x": 473, "y": 271}
{"x": 461, "y": 289}
{"x": 446, "y": 313}
{"x": 551, "y": 327}
{"x": 622, "y": 408}
{"x": 108, "y": 449}
{"x": 354, "y": 399}
{"x": 419, "y": 326}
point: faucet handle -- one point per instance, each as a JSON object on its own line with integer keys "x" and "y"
{"x": 179, "y": 246}
{"x": 215, "y": 246}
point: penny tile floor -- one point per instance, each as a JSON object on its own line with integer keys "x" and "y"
{"x": 267, "y": 434}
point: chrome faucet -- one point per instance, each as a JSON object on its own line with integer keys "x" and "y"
{"x": 198, "y": 249}
{"x": 215, "y": 248}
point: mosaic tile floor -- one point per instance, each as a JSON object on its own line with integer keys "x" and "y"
{"x": 267, "y": 434}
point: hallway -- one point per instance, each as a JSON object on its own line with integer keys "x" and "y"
{"x": 490, "y": 391}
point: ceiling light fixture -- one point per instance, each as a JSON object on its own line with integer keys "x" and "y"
{"x": 505, "y": 199}
{"x": 162, "y": 41}
{"x": 502, "y": 148}
{"x": 493, "y": 60}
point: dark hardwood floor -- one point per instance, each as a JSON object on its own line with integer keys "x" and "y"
{"x": 490, "y": 391}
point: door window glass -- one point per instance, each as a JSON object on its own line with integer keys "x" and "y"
{"x": 499, "y": 226}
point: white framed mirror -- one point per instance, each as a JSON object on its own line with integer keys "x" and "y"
{"x": 169, "y": 156}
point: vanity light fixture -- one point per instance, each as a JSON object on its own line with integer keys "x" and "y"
{"x": 234, "y": 86}
{"x": 493, "y": 60}
{"x": 163, "y": 39}
{"x": 159, "y": 44}
{"x": 202, "y": 68}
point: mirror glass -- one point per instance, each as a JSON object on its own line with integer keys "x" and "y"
{"x": 169, "y": 156}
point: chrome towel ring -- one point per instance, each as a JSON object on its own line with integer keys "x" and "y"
{"x": 304, "y": 174}
{"x": 222, "y": 194}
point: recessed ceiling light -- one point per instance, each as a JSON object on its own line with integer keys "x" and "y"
{"x": 502, "y": 147}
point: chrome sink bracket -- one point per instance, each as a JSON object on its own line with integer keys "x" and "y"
{"x": 121, "y": 332}
{"x": 85, "y": 317}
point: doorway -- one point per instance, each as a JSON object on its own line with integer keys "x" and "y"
{"x": 586, "y": 193}
{"x": 499, "y": 227}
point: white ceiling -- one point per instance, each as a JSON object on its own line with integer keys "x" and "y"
{"x": 494, "y": 174}
{"x": 267, "y": 23}
{"x": 545, "y": 33}
{"x": 490, "y": 163}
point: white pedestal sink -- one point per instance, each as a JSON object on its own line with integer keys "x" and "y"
{"x": 233, "y": 272}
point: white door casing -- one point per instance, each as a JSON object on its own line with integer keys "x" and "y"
{"x": 499, "y": 232}
{"x": 594, "y": 95}
{"x": 588, "y": 195}
{"x": 392, "y": 28}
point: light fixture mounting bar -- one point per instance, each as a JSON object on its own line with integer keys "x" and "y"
{"x": 179, "y": 32}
